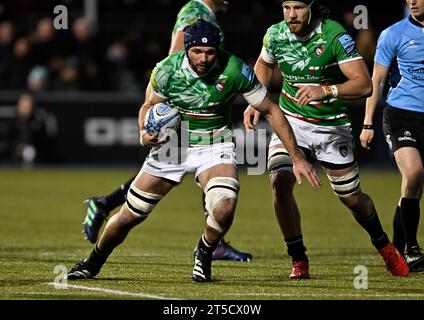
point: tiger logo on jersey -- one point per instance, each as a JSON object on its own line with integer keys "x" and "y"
{"x": 319, "y": 51}
{"x": 220, "y": 85}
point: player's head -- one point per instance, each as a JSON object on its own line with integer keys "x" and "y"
{"x": 416, "y": 7}
{"x": 201, "y": 34}
{"x": 300, "y": 14}
{"x": 201, "y": 43}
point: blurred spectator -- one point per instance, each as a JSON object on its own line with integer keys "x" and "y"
{"x": 87, "y": 51}
{"x": 6, "y": 51}
{"x": 21, "y": 64}
{"x": 349, "y": 21}
{"x": 120, "y": 78}
{"x": 32, "y": 134}
{"x": 129, "y": 40}
{"x": 366, "y": 42}
{"x": 151, "y": 53}
{"x": 43, "y": 42}
{"x": 37, "y": 78}
{"x": 68, "y": 75}
{"x": 365, "y": 38}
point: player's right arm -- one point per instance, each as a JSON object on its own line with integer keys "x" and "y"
{"x": 147, "y": 139}
{"x": 156, "y": 92}
{"x": 264, "y": 72}
{"x": 379, "y": 77}
{"x": 257, "y": 96}
{"x": 254, "y": 92}
{"x": 177, "y": 43}
{"x": 282, "y": 128}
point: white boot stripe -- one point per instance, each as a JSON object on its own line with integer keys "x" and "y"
{"x": 199, "y": 274}
{"x": 198, "y": 269}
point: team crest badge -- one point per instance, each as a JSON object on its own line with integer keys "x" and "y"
{"x": 220, "y": 85}
{"x": 319, "y": 51}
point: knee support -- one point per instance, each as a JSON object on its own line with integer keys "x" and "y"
{"x": 347, "y": 185}
{"x": 279, "y": 159}
{"x": 217, "y": 190}
{"x": 141, "y": 203}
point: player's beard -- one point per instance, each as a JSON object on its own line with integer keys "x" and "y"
{"x": 301, "y": 29}
{"x": 201, "y": 68}
{"x": 296, "y": 27}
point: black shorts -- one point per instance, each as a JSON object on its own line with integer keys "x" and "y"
{"x": 404, "y": 128}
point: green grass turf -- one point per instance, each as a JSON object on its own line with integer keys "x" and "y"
{"x": 42, "y": 210}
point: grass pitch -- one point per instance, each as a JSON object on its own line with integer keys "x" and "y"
{"x": 42, "y": 210}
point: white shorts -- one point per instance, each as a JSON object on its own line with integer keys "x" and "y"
{"x": 332, "y": 144}
{"x": 197, "y": 159}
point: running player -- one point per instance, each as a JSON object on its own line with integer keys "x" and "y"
{"x": 315, "y": 56}
{"x": 201, "y": 82}
{"x": 99, "y": 207}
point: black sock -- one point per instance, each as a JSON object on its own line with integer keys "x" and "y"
{"x": 380, "y": 242}
{"x": 399, "y": 240}
{"x": 205, "y": 245}
{"x": 98, "y": 257}
{"x": 296, "y": 249}
{"x": 373, "y": 226}
{"x": 117, "y": 197}
{"x": 410, "y": 218}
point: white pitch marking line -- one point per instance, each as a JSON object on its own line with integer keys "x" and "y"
{"x": 116, "y": 292}
{"x": 328, "y": 294}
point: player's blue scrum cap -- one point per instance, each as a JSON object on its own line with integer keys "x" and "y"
{"x": 201, "y": 34}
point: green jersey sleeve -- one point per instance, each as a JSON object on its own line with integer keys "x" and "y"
{"x": 158, "y": 82}
{"x": 159, "y": 79}
{"x": 246, "y": 79}
{"x": 344, "y": 48}
{"x": 246, "y": 83}
{"x": 267, "y": 52}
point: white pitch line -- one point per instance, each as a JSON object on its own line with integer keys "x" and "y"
{"x": 327, "y": 294}
{"x": 116, "y": 292}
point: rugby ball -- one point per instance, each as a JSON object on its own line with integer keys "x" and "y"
{"x": 162, "y": 118}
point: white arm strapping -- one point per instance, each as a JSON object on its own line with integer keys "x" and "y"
{"x": 256, "y": 95}
{"x": 268, "y": 58}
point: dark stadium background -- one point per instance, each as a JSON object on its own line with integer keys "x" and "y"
{"x": 95, "y": 112}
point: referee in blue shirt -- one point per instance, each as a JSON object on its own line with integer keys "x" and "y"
{"x": 400, "y": 54}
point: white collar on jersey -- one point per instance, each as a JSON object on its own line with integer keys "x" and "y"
{"x": 317, "y": 29}
{"x": 186, "y": 65}
{"x": 207, "y": 7}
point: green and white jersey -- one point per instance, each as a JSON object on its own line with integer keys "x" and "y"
{"x": 195, "y": 10}
{"x": 205, "y": 102}
{"x": 313, "y": 60}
